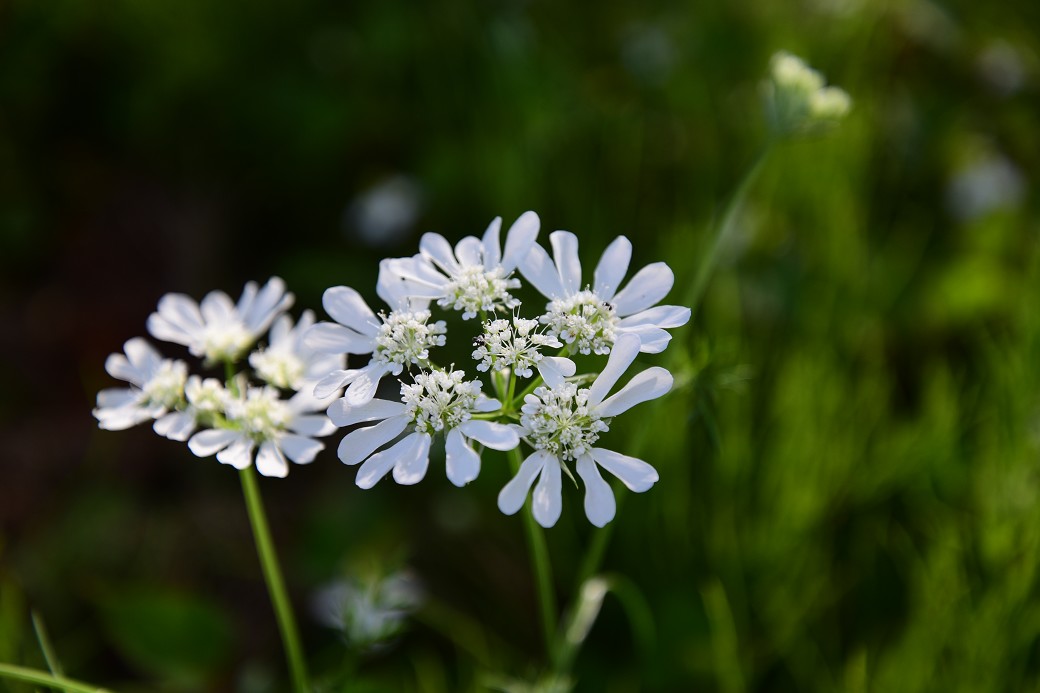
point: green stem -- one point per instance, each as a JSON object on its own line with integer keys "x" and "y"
{"x": 42, "y": 678}
{"x": 45, "y": 646}
{"x": 542, "y": 569}
{"x": 275, "y": 582}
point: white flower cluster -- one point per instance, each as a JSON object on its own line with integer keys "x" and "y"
{"x": 234, "y": 419}
{"x": 797, "y": 100}
{"x": 559, "y": 418}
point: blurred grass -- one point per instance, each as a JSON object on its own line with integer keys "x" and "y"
{"x": 849, "y": 488}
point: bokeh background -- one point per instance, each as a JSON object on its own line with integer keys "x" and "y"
{"x": 849, "y": 486}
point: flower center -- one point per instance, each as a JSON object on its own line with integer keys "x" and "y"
{"x": 440, "y": 400}
{"x": 406, "y": 337}
{"x": 262, "y": 414}
{"x": 207, "y": 396}
{"x": 281, "y": 368}
{"x": 225, "y": 341}
{"x": 583, "y": 320}
{"x": 166, "y": 387}
{"x": 515, "y": 345}
{"x": 474, "y": 289}
{"x": 560, "y": 421}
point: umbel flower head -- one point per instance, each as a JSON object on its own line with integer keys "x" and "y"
{"x": 797, "y": 100}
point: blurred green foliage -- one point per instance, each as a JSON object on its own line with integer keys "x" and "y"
{"x": 848, "y": 495}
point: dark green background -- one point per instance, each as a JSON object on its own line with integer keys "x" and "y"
{"x": 849, "y": 486}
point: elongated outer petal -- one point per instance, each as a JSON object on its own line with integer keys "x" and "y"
{"x": 600, "y": 505}
{"x": 399, "y": 284}
{"x": 115, "y": 397}
{"x": 271, "y": 462}
{"x": 359, "y": 444}
{"x": 470, "y": 251}
{"x": 332, "y": 382}
{"x": 547, "y": 498}
{"x": 613, "y": 265}
{"x": 346, "y": 307}
{"x": 343, "y": 413}
{"x": 650, "y": 285}
{"x": 272, "y": 300}
{"x": 239, "y": 454}
{"x": 486, "y": 404}
{"x": 414, "y": 460}
{"x": 540, "y": 271}
{"x": 300, "y": 449}
{"x": 217, "y": 308}
{"x": 490, "y": 434}
{"x": 492, "y": 245}
{"x": 646, "y": 385}
{"x": 122, "y": 418}
{"x": 436, "y": 248}
{"x": 313, "y": 425}
{"x": 377, "y": 466}
{"x": 658, "y": 316}
{"x": 364, "y": 386}
{"x": 332, "y": 338}
{"x": 176, "y": 320}
{"x": 565, "y": 253}
{"x": 177, "y": 425}
{"x": 634, "y": 473}
{"x": 462, "y": 462}
{"x": 652, "y": 340}
{"x": 143, "y": 356}
{"x": 211, "y": 441}
{"x": 118, "y": 366}
{"x": 622, "y": 354}
{"x": 512, "y": 496}
{"x": 554, "y": 369}
{"x": 520, "y": 239}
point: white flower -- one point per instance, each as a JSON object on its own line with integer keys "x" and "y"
{"x": 477, "y": 275}
{"x": 511, "y": 344}
{"x": 591, "y": 319}
{"x": 261, "y": 419}
{"x": 563, "y": 423}
{"x": 396, "y": 341}
{"x": 218, "y": 329}
{"x": 157, "y": 388}
{"x": 288, "y": 362}
{"x": 796, "y": 98}
{"x": 369, "y": 610}
{"x": 439, "y": 401}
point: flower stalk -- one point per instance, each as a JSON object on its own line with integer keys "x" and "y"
{"x": 42, "y": 678}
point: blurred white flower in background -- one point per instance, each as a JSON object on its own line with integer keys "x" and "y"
{"x": 157, "y": 387}
{"x": 797, "y": 100}
{"x": 370, "y": 610}
{"x": 987, "y": 182}
{"x": 385, "y": 213}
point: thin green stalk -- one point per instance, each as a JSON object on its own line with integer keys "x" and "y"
{"x": 42, "y": 678}
{"x": 275, "y": 583}
{"x": 45, "y": 646}
{"x": 542, "y": 569}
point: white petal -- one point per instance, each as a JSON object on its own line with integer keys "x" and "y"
{"x": 650, "y": 285}
{"x": 554, "y": 369}
{"x": 280, "y": 330}
{"x": 143, "y": 357}
{"x": 622, "y": 354}
{"x": 652, "y": 340}
{"x": 211, "y": 441}
{"x": 346, "y": 307}
{"x": 239, "y": 454}
{"x": 565, "y": 253}
{"x": 257, "y": 313}
{"x": 332, "y": 338}
{"x": 414, "y": 460}
{"x": 490, "y": 434}
{"x": 468, "y": 251}
{"x": 613, "y": 265}
{"x": 511, "y": 497}
{"x": 437, "y": 249}
{"x": 177, "y": 320}
{"x": 547, "y": 499}
{"x": 376, "y": 466}
{"x": 646, "y": 385}
{"x": 300, "y": 449}
{"x": 331, "y": 383}
{"x": 118, "y": 366}
{"x": 121, "y": 418}
{"x": 176, "y": 425}
{"x": 600, "y": 505}
{"x": 271, "y": 462}
{"x": 540, "y": 271}
{"x": 658, "y": 316}
{"x": 520, "y": 239}
{"x": 486, "y": 404}
{"x": 492, "y": 245}
{"x": 634, "y": 473}
{"x": 363, "y": 389}
{"x": 359, "y": 444}
{"x": 314, "y": 425}
{"x": 115, "y": 397}
{"x": 343, "y": 413}
{"x": 462, "y": 462}
{"x": 217, "y": 308}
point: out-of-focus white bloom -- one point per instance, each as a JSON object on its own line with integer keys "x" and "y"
{"x": 262, "y": 422}
{"x": 396, "y": 341}
{"x": 157, "y": 387}
{"x": 796, "y": 98}
{"x": 563, "y": 423}
{"x": 987, "y": 182}
{"x": 475, "y": 276}
{"x": 218, "y": 329}
{"x": 369, "y": 611}
{"x": 439, "y": 401}
{"x": 386, "y": 212}
{"x": 511, "y": 344}
{"x": 288, "y": 362}
{"x": 591, "y": 319}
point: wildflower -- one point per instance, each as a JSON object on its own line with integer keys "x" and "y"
{"x": 563, "y": 423}
{"x": 477, "y": 275}
{"x": 288, "y": 362}
{"x": 796, "y": 98}
{"x": 397, "y": 340}
{"x": 439, "y": 402}
{"x": 218, "y": 329}
{"x": 372, "y": 610}
{"x": 511, "y": 344}
{"x": 157, "y": 388}
{"x": 259, "y": 420}
{"x": 592, "y": 319}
